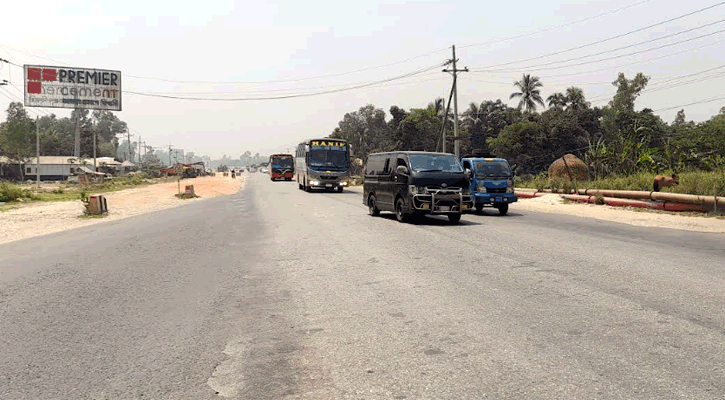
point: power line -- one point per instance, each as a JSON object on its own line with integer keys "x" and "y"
{"x": 293, "y": 95}
{"x": 250, "y": 82}
{"x": 610, "y": 38}
{"x": 691, "y": 104}
{"x": 637, "y": 44}
{"x": 555, "y": 27}
{"x": 608, "y": 58}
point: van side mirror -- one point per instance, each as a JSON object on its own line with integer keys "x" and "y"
{"x": 401, "y": 169}
{"x": 468, "y": 173}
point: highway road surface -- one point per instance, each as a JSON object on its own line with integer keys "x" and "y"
{"x": 274, "y": 293}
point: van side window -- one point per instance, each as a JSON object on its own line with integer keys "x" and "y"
{"x": 401, "y": 162}
{"x": 386, "y": 169}
{"x": 466, "y": 164}
{"x": 370, "y": 165}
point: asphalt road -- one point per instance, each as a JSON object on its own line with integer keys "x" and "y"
{"x": 274, "y": 293}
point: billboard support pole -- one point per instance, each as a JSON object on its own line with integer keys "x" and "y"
{"x": 37, "y": 151}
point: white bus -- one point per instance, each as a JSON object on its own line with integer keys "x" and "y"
{"x": 322, "y": 164}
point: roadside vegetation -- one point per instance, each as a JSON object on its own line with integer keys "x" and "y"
{"x": 13, "y": 193}
{"x": 694, "y": 182}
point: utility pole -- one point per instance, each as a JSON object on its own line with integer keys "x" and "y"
{"x": 169, "y": 155}
{"x": 129, "y": 146}
{"x": 37, "y": 151}
{"x": 454, "y": 72}
{"x": 77, "y": 151}
{"x": 139, "y": 151}
{"x": 95, "y": 167}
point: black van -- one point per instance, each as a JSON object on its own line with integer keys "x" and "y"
{"x": 416, "y": 183}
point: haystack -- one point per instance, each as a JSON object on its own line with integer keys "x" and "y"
{"x": 577, "y": 168}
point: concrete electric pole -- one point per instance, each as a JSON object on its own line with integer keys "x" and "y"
{"x": 454, "y": 72}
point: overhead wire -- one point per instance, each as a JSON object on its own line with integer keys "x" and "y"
{"x": 552, "y": 28}
{"x": 609, "y": 38}
{"x": 539, "y": 67}
{"x": 360, "y": 86}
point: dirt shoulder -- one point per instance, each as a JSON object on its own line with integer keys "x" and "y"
{"x": 685, "y": 221}
{"x": 37, "y": 219}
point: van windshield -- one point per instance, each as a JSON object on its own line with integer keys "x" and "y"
{"x": 434, "y": 163}
{"x": 495, "y": 169}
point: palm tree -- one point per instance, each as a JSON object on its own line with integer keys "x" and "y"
{"x": 575, "y": 98}
{"x": 528, "y": 94}
{"x": 557, "y": 100}
{"x": 438, "y": 106}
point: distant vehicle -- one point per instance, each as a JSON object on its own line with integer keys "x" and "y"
{"x": 282, "y": 166}
{"x": 411, "y": 183}
{"x": 492, "y": 183}
{"x": 322, "y": 164}
{"x": 264, "y": 170}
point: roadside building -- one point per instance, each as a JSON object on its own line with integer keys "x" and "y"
{"x": 9, "y": 169}
{"x": 54, "y": 168}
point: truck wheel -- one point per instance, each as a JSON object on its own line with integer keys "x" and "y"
{"x": 339, "y": 189}
{"x": 503, "y": 209}
{"x": 400, "y": 214}
{"x": 454, "y": 218}
{"x": 307, "y": 188}
{"x": 479, "y": 207}
{"x": 372, "y": 206}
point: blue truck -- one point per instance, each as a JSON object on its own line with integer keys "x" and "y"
{"x": 492, "y": 183}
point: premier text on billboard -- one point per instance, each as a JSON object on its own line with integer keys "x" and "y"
{"x": 63, "y": 87}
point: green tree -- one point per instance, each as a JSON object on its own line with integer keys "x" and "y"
{"x": 528, "y": 93}
{"x": 522, "y": 144}
{"x": 420, "y": 130}
{"x": 557, "y": 100}
{"x": 575, "y": 100}
{"x": 366, "y": 130}
{"x": 17, "y": 135}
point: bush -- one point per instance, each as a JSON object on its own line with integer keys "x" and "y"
{"x": 10, "y": 192}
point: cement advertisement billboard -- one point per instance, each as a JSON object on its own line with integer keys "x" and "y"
{"x": 66, "y": 87}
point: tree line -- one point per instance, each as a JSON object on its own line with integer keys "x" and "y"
{"x": 615, "y": 139}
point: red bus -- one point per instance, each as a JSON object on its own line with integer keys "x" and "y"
{"x": 281, "y": 166}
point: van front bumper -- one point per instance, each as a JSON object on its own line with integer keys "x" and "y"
{"x": 442, "y": 204}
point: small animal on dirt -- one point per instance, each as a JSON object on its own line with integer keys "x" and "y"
{"x": 662, "y": 181}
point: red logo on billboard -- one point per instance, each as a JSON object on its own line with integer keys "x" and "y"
{"x": 36, "y": 75}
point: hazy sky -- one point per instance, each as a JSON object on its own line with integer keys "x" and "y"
{"x": 249, "y": 49}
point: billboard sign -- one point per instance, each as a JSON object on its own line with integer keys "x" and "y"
{"x": 66, "y": 87}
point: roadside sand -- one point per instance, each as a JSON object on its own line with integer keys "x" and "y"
{"x": 554, "y": 203}
{"x": 37, "y": 219}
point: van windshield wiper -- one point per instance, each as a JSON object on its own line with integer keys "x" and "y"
{"x": 429, "y": 170}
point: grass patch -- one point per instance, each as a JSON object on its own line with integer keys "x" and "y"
{"x": 93, "y": 216}
{"x": 187, "y": 195}
{"x": 10, "y": 192}
{"x": 693, "y": 182}
{"x": 69, "y": 192}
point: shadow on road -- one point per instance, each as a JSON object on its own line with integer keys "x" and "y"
{"x": 436, "y": 220}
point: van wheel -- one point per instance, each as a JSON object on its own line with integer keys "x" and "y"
{"x": 400, "y": 214}
{"x": 372, "y": 206}
{"x": 503, "y": 209}
{"x": 454, "y": 218}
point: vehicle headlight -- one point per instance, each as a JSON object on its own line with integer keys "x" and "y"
{"x": 343, "y": 183}
{"x": 510, "y": 187}
{"x": 482, "y": 188}
{"x": 417, "y": 189}
{"x": 314, "y": 183}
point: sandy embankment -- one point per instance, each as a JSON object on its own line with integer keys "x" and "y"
{"x": 42, "y": 218}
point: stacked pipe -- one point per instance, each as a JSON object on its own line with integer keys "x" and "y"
{"x": 632, "y": 198}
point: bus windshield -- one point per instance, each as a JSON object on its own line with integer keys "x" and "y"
{"x": 282, "y": 162}
{"x": 329, "y": 154}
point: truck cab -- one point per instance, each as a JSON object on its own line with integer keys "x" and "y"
{"x": 492, "y": 183}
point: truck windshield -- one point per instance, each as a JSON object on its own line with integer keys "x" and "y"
{"x": 495, "y": 169}
{"x": 434, "y": 163}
